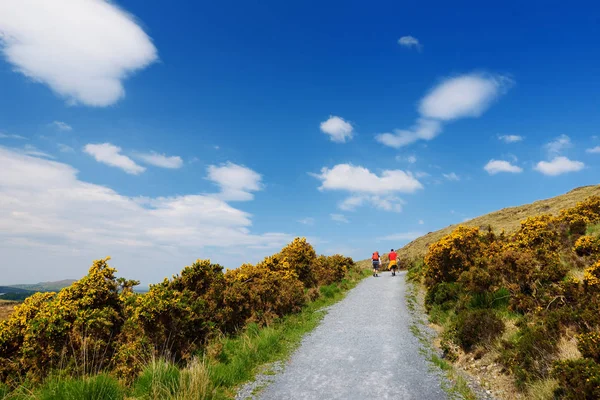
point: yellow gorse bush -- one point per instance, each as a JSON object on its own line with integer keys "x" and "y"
{"x": 99, "y": 324}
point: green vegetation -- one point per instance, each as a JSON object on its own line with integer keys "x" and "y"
{"x": 197, "y": 335}
{"x": 543, "y": 280}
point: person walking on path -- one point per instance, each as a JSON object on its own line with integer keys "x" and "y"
{"x": 376, "y": 263}
{"x": 393, "y": 261}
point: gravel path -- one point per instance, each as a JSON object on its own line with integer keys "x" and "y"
{"x": 363, "y": 349}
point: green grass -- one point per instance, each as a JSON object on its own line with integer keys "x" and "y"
{"x": 593, "y": 230}
{"x": 99, "y": 387}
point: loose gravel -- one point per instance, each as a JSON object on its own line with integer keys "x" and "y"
{"x": 363, "y": 349}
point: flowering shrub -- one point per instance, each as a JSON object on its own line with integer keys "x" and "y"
{"x": 99, "y": 324}
{"x": 77, "y": 324}
{"x": 587, "y": 245}
{"x": 260, "y": 294}
{"x": 299, "y": 256}
{"x": 589, "y": 345}
{"x": 591, "y": 277}
{"x": 330, "y": 269}
{"x": 452, "y": 255}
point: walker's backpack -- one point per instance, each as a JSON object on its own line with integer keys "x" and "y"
{"x": 376, "y": 256}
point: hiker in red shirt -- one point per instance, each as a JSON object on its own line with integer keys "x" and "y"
{"x": 376, "y": 263}
{"x": 393, "y": 261}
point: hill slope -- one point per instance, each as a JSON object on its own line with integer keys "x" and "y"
{"x": 45, "y": 286}
{"x": 508, "y": 219}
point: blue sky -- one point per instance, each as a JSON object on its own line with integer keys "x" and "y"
{"x": 222, "y": 130}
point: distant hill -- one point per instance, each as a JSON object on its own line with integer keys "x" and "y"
{"x": 44, "y": 286}
{"x": 508, "y": 219}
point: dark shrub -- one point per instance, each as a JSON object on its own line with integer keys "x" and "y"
{"x": 589, "y": 345}
{"x": 474, "y": 327}
{"x": 578, "y": 379}
{"x": 444, "y": 294}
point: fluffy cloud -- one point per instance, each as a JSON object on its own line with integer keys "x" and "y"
{"x": 62, "y": 126}
{"x": 110, "y": 154}
{"x": 424, "y": 129}
{"x": 559, "y": 165}
{"x": 360, "y": 180}
{"x": 510, "y": 138}
{"x": 385, "y": 202}
{"x": 337, "y": 128}
{"x": 236, "y": 182}
{"x": 495, "y": 166}
{"x": 47, "y": 213}
{"x": 464, "y": 96}
{"x": 558, "y": 145}
{"x": 160, "y": 160}
{"x": 339, "y": 218}
{"x": 82, "y": 49}
{"x": 409, "y": 42}
{"x": 593, "y": 150}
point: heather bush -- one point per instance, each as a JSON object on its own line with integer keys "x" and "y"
{"x": 475, "y": 327}
{"x": 530, "y": 356}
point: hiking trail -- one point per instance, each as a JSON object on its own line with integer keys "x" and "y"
{"x": 363, "y": 349}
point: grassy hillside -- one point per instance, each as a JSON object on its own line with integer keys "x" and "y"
{"x": 508, "y": 219}
{"x": 45, "y": 286}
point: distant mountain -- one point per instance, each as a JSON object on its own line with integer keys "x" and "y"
{"x": 44, "y": 286}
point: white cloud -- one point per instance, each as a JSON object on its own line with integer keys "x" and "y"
{"x": 62, "y": 126}
{"x": 237, "y": 182}
{"x": 451, "y": 176}
{"x": 558, "y": 145}
{"x": 401, "y": 237}
{"x": 421, "y": 222}
{"x": 160, "y": 160}
{"x": 338, "y": 129}
{"x": 495, "y": 166}
{"x": 82, "y": 49}
{"x": 307, "y": 221}
{"x": 559, "y": 165}
{"x": 410, "y": 41}
{"x": 360, "y": 180}
{"x": 411, "y": 159}
{"x": 463, "y": 96}
{"x": 65, "y": 149}
{"x": 510, "y": 138}
{"x": 339, "y": 218}
{"x": 34, "y": 151}
{"x": 593, "y": 150}
{"x": 110, "y": 154}
{"x": 47, "y": 213}
{"x": 11, "y": 136}
{"x": 422, "y": 174}
{"x": 424, "y": 129}
{"x": 386, "y": 202}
